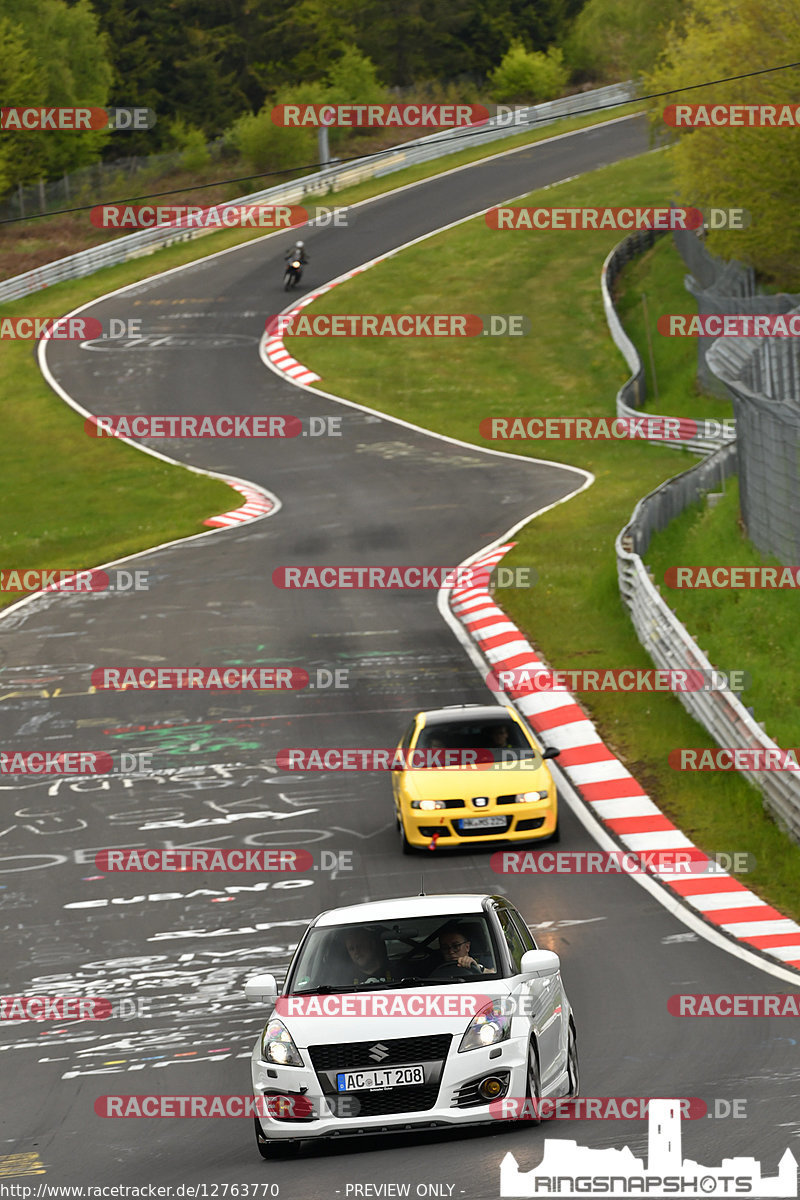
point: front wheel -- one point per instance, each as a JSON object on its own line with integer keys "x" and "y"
{"x": 573, "y": 1070}
{"x": 533, "y": 1088}
{"x": 405, "y": 844}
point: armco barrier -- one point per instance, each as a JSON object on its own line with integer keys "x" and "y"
{"x": 331, "y": 179}
{"x": 632, "y": 393}
{"x": 666, "y": 640}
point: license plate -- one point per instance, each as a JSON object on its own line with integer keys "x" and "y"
{"x": 482, "y": 823}
{"x": 379, "y": 1077}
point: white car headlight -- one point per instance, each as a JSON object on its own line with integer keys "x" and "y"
{"x": 526, "y": 797}
{"x": 277, "y": 1045}
{"x": 488, "y": 1027}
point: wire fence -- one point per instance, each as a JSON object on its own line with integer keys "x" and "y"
{"x": 667, "y": 641}
{"x": 331, "y": 179}
{"x": 762, "y": 378}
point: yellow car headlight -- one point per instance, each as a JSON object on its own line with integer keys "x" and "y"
{"x": 527, "y": 797}
{"x": 428, "y": 805}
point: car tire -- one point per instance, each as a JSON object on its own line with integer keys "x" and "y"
{"x": 405, "y": 844}
{"x": 573, "y": 1068}
{"x": 272, "y": 1150}
{"x": 533, "y": 1087}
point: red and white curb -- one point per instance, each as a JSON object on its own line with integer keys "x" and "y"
{"x": 258, "y": 504}
{"x": 609, "y": 790}
{"x": 278, "y": 357}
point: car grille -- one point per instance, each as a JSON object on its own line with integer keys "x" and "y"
{"x": 354, "y": 1055}
{"x": 531, "y": 823}
{"x": 512, "y": 799}
{"x": 396, "y": 1100}
{"x": 467, "y": 1095}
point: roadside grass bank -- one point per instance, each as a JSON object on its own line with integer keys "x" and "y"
{"x": 71, "y": 501}
{"x": 568, "y": 366}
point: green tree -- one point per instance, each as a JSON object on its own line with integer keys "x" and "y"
{"x": 612, "y": 40}
{"x": 69, "y": 60}
{"x": 753, "y": 168}
{"x": 191, "y": 141}
{"x": 21, "y": 83}
{"x": 526, "y": 76}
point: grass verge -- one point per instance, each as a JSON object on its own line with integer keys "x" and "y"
{"x": 568, "y": 366}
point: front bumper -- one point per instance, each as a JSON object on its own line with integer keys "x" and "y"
{"x": 448, "y": 1083}
{"x": 524, "y": 823}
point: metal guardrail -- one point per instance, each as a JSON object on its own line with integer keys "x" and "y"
{"x": 630, "y": 396}
{"x": 331, "y": 179}
{"x": 666, "y": 640}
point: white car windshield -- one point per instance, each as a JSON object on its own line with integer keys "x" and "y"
{"x": 411, "y": 952}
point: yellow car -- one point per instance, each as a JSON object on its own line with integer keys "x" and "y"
{"x": 472, "y": 773}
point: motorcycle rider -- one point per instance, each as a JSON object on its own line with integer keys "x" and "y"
{"x": 297, "y": 254}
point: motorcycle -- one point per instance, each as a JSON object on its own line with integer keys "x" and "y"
{"x": 294, "y": 272}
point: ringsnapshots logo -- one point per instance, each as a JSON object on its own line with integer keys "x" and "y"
{"x": 530, "y": 680}
{"x": 73, "y": 582}
{"x": 379, "y": 116}
{"x": 76, "y": 120}
{"x": 397, "y": 325}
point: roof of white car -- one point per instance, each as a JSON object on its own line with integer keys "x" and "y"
{"x": 405, "y": 906}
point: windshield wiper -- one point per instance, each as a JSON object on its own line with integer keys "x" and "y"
{"x": 326, "y": 989}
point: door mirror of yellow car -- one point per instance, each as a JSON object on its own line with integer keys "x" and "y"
{"x": 550, "y": 752}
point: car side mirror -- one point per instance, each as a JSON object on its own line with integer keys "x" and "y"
{"x": 540, "y": 964}
{"x": 550, "y": 752}
{"x": 261, "y": 989}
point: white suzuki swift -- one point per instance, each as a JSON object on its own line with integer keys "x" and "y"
{"x": 416, "y": 1013}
